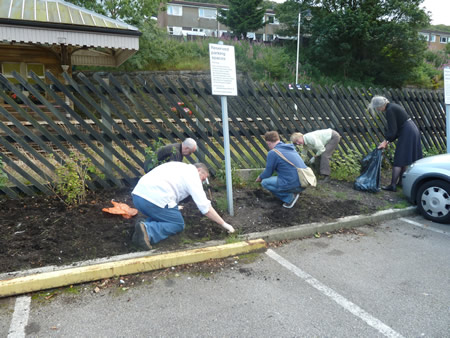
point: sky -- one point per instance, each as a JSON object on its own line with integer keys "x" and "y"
{"x": 440, "y": 11}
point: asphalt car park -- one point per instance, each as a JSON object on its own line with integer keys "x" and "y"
{"x": 385, "y": 280}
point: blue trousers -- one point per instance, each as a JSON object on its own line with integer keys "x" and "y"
{"x": 286, "y": 196}
{"x": 160, "y": 222}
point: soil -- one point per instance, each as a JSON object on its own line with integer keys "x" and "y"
{"x": 40, "y": 231}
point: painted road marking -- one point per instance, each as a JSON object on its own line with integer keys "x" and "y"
{"x": 424, "y": 226}
{"x": 346, "y": 304}
{"x": 20, "y": 317}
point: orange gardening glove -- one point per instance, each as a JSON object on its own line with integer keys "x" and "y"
{"x": 121, "y": 209}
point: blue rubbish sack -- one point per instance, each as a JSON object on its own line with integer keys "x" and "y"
{"x": 369, "y": 180}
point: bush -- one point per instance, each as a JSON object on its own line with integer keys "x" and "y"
{"x": 346, "y": 167}
{"x": 72, "y": 177}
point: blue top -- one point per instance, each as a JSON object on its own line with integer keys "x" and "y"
{"x": 287, "y": 174}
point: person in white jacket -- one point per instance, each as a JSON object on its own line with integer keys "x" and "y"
{"x": 322, "y": 143}
{"x": 157, "y": 195}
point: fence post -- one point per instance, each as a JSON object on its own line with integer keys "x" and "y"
{"x": 107, "y": 124}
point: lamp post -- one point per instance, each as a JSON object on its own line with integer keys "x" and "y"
{"x": 308, "y": 17}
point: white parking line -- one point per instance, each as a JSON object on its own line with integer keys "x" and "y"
{"x": 20, "y": 317}
{"x": 346, "y": 304}
{"x": 424, "y": 226}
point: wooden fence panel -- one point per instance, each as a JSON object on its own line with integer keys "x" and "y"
{"x": 114, "y": 120}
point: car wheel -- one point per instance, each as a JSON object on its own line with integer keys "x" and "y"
{"x": 433, "y": 201}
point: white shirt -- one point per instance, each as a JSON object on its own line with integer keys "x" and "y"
{"x": 170, "y": 183}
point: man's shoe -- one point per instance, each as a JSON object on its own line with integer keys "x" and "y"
{"x": 389, "y": 188}
{"x": 290, "y": 205}
{"x": 140, "y": 236}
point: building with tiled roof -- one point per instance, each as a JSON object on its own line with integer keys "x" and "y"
{"x": 55, "y": 35}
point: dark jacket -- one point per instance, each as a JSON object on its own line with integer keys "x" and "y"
{"x": 396, "y": 116}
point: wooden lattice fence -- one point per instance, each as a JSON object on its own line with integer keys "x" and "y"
{"x": 112, "y": 120}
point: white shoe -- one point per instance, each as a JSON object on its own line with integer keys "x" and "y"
{"x": 290, "y": 205}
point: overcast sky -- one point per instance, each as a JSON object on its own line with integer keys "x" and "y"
{"x": 440, "y": 11}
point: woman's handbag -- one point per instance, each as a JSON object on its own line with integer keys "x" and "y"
{"x": 305, "y": 175}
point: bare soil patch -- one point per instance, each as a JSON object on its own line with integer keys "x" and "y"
{"x": 40, "y": 231}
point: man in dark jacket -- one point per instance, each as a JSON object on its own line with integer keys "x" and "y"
{"x": 172, "y": 152}
{"x": 285, "y": 186}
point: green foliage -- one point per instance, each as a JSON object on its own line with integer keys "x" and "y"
{"x": 3, "y": 175}
{"x": 134, "y": 12}
{"x": 221, "y": 204}
{"x": 72, "y": 177}
{"x": 151, "y": 153}
{"x": 243, "y": 16}
{"x": 374, "y": 41}
{"x": 432, "y": 151}
{"x": 346, "y": 167}
{"x": 235, "y": 179}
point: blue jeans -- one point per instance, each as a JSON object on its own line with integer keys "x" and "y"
{"x": 287, "y": 196}
{"x": 160, "y": 222}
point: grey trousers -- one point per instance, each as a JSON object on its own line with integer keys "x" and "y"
{"x": 326, "y": 155}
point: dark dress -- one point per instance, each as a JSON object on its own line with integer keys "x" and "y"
{"x": 402, "y": 128}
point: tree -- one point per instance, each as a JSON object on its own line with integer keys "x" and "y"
{"x": 372, "y": 41}
{"x": 134, "y": 12}
{"x": 243, "y": 16}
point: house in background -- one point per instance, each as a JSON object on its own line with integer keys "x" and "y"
{"x": 436, "y": 40}
{"x": 54, "y": 35}
{"x": 186, "y": 18}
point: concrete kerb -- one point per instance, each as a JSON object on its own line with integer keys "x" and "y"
{"x": 88, "y": 273}
{"x": 20, "y": 282}
{"x": 305, "y": 230}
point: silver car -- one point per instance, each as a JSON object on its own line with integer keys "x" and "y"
{"x": 427, "y": 183}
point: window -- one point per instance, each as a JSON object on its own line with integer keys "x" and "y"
{"x": 174, "y": 10}
{"x": 444, "y": 39}
{"x": 36, "y": 68}
{"x": 23, "y": 69}
{"x": 208, "y": 13}
{"x": 424, "y": 36}
{"x": 272, "y": 20}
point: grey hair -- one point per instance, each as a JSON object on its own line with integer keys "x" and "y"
{"x": 202, "y": 166}
{"x": 190, "y": 143}
{"x": 377, "y": 102}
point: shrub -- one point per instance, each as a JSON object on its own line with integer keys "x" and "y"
{"x": 346, "y": 167}
{"x": 72, "y": 177}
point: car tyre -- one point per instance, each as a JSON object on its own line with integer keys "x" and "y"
{"x": 433, "y": 201}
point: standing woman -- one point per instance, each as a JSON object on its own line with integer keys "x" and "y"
{"x": 400, "y": 127}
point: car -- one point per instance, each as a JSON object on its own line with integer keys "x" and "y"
{"x": 426, "y": 183}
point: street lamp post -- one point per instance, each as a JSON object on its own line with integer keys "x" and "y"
{"x": 308, "y": 17}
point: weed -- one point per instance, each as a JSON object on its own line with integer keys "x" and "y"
{"x": 346, "y": 167}
{"x": 235, "y": 178}
{"x": 3, "y": 176}
{"x": 232, "y": 238}
{"x": 340, "y": 195}
{"x": 222, "y": 204}
{"x": 401, "y": 205}
{"x": 249, "y": 258}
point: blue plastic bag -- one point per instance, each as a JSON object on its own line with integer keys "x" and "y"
{"x": 369, "y": 180}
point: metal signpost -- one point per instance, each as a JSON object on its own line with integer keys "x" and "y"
{"x": 447, "y": 103}
{"x": 223, "y": 83}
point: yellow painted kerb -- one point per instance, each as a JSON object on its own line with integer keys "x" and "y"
{"x": 48, "y": 280}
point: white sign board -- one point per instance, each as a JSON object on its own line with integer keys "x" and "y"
{"x": 223, "y": 70}
{"x": 447, "y": 85}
